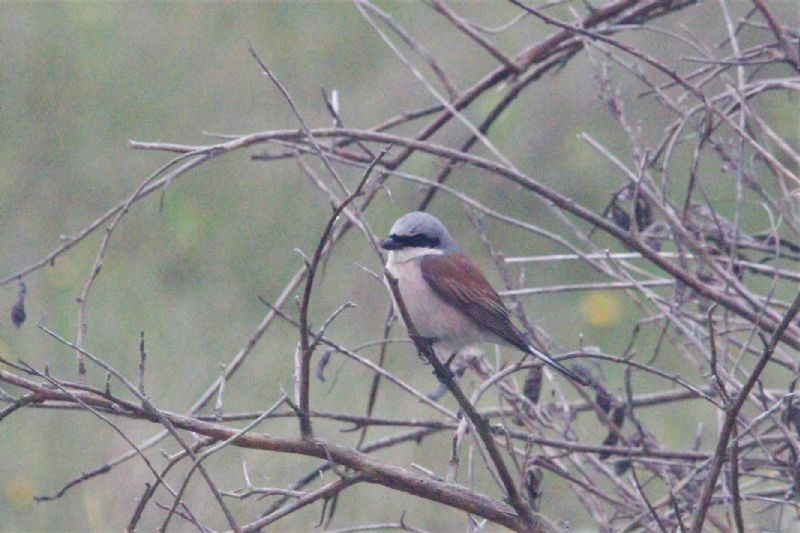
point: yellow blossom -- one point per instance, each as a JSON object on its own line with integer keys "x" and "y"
{"x": 18, "y": 491}
{"x": 601, "y": 308}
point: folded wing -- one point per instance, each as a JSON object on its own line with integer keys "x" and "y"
{"x": 457, "y": 279}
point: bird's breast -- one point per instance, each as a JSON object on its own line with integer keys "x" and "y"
{"x": 433, "y": 317}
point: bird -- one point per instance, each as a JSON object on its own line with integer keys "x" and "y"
{"x": 446, "y": 294}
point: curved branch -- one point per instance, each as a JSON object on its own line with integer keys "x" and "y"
{"x": 370, "y": 469}
{"x": 767, "y": 322}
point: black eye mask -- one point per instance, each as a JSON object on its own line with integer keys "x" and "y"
{"x": 415, "y": 241}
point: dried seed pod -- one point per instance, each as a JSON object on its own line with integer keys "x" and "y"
{"x": 533, "y": 384}
{"x": 604, "y": 399}
{"x": 621, "y": 466}
{"x": 18, "y": 309}
{"x": 532, "y": 482}
{"x": 618, "y": 416}
{"x": 792, "y": 416}
{"x": 643, "y": 213}
{"x": 611, "y": 440}
{"x": 620, "y": 217}
{"x": 322, "y": 364}
{"x": 18, "y": 313}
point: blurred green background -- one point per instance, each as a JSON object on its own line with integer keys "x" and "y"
{"x": 79, "y": 80}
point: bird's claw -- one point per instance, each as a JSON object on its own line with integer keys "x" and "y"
{"x": 444, "y": 374}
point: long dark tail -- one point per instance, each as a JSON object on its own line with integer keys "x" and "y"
{"x": 558, "y": 366}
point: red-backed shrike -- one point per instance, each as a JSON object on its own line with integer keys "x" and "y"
{"x": 447, "y": 296}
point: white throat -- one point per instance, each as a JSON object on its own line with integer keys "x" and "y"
{"x": 400, "y": 257}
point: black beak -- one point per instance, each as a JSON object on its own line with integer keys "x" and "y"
{"x": 390, "y": 244}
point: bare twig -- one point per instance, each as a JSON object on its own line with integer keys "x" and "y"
{"x": 479, "y": 423}
{"x": 731, "y": 414}
{"x": 791, "y": 50}
{"x": 306, "y": 347}
{"x": 373, "y": 470}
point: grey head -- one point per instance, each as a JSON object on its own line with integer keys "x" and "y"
{"x": 419, "y": 230}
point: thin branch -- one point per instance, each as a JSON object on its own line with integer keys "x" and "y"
{"x": 791, "y": 50}
{"x": 479, "y": 423}
{"x": 214, "y": 449}
{"x": 325, "y": 492}
{"x": 156, "y": 414}
{"x": 568, "y": 204}
{"x": 464, "y": 25}
{"x": 731, "y": 414}
{"x": 306, "y": 347}
{"x": 372, "y": 469}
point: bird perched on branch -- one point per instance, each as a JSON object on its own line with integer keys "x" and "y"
{"x": 447, "y": 296}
